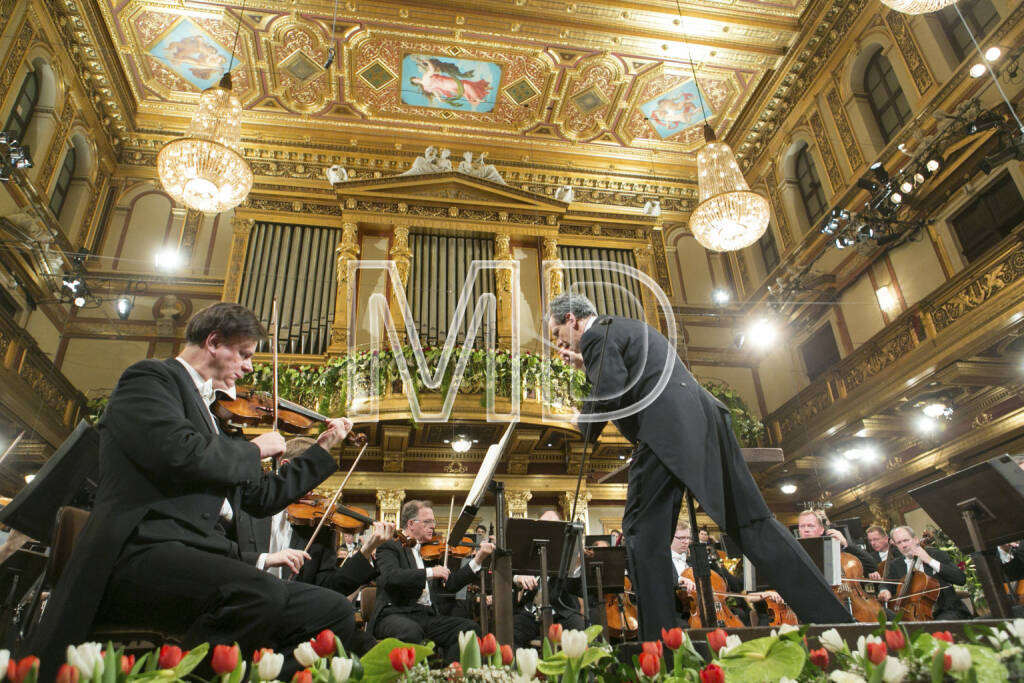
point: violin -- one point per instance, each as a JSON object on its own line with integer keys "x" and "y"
{"x": 308, "y": 511}
{"x": 723, "y": 614}
{"x": 621, "y": 614}
{"x": 863, "y": 607}
{"x": 917, "y": 595}
{"x": 435, "y": 548}
{"x": 779, "y": 612}
{"x": 250, "y": 408}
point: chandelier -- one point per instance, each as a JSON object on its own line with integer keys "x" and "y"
{"x": 729, "y": 216}
{"x": 918, "y": 6}
{"x": 205, "y": 170}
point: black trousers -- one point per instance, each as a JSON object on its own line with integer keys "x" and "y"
{"x": 211, "y": 598}
{"x": 653, "y": 500}
{"x": 424, "y": 624}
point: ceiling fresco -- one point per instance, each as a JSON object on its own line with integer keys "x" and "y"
{"x": 599, "y": 77}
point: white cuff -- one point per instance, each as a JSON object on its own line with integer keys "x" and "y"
{"x": 935, "y": 565}
{"x": 261, "y": 561}
{"x": 430, "y": 572}
{"x": 475, "y": 566}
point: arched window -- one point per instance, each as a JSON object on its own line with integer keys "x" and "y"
{"x": 980, "y": 15}
{"x": 807, "y": 180}
{"x": 769, "y": 252}
{"x": 60, "y": 188}
{"x": 24, "y": 106}
{"x": 885, "y": 96}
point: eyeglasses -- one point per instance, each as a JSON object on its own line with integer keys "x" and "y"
{"x": 425, "y": 521}
{"x": 681, "y": 538}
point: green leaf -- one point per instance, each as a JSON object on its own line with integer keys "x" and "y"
{"x": 554, "y": 665}
{"x": 191, "y": 660}
{"x": 236, "y": 675}
{"x": 763, "y": 659}
{"x": 593, "y": 632}
{"x": 139, "y": 663}
{"x": 470, "y": 657}
{"x": 985, "y": 665}
{"x": 938, "y": 666}
{"x": 546, "y": 649}
{"x": 377, "y": 662}
{"x": 111, "y": 665}
{"x": 876, "y": 673}
{"x": 592, "y": 655}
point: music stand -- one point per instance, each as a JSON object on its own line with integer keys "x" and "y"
{"x": 590, "y": 540}
{"x": 606, "y": 572}
{"x": 531, "y": 544}
{"x": 33, "y": 511}
{"x": 979, "y": 509}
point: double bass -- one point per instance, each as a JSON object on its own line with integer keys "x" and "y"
{"x": 863, "y": 607}
{"x": 723, "y": 615}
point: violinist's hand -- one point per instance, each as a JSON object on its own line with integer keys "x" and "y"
{"x": 687, "y": 584}
{"x": 271, "y": 444}
{"x": 482, "y": 553}
{"x": 526, "y": 581}
{"x": 440, "y": 572}
{"x": 838, "y": 535}
{"x": 382, "y": 531}
{"x": 884, "y": 595}
{"x": 289, "y": 557}
{"x": 875, "y": 576}
{"x": 337, "y": 429}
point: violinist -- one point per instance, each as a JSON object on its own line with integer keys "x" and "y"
{"x": 158, "y": 549}
{"x": 933, "y": 562}
{"x": 407, "y": 590}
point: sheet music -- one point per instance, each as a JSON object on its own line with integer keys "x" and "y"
{"x": 487, "y": 468}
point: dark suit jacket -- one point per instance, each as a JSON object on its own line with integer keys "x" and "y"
{"x": 1014, "y": 569}
{"x": 322, "y": 567}
{"x": 892, "y": 556}
{"x": 688, "y": 429}
{"x": 867, "y": 560}
{"x": 400, "y": 583}
{"x": 948, "y": 576}
{"x": 164, "y": 473}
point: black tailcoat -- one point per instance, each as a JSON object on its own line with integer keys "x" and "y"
{"x": 947, "y": 606}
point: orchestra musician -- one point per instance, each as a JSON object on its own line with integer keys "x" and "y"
{"x": 814, "y": 523}
{"x": 882, "y": 549}
{"x": 934, "y": 562}
{"x": 683, "y": 439}
{"x": 407, "y": 590}
{"x": 158, "y": 549}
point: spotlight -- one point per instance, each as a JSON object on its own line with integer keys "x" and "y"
{"x": 79, "y": 301}
{"x": 6, "y": 139}
{"x": 896, "y": 198}
{"x": 20, "y": 157}
{"x": 29, "y": 478}
{"x": 844, "y": 241}
{"x": 167, "y": 260}
{"x": 124, "y": 305}
{"x": 71, "y": 283}
{"x": 738, "y": 338}
{"x": 906, "y": 187}
{"x": 919, "y": 178}
{"x": 865, "y": 232}
{"x": 865, "y": 454}
{"x": 841, "y": 466}
{"x": 763, "y": 332}
{"x": 993, "y": 53}
{"x": 5, "y": 174}
{"x": 461, "y": 444}
{"x": 720, "y": 297}
{"x": 978, "y": 70}
{"x": 984, "y": 122}
{"x": 937, "y": 409}
{"x": 878, "y": 170}
{"x": 788, "y": 489}
{"x": 925, "y": 424}
{"x": 886, "y": 299}
{"x": 934, "y": 163}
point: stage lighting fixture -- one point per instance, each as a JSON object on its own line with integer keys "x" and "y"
{"x": 21, "y": 157}
{"x": 878, "y": 170}
{"x": 865, "y": 232}
{"x": 882, "y": 240}
{"x": 934, "y": 163}
{"x": 919, "y": 178}
{"x": 977, "y": 70}
{"x": 71, "y": 283}
{"x": 6, "y": 139}
{"x": 788, "y": 489}
{"x": 906, "y": 187}
{"x": 720, "y": 297}
{"x": 983, "y": 122}
{"x": 844, "y": 241}
{"x": 79, "y": 301}
{"x": 896, "y": 198}
{"x": 124, "y": 305}
{"x": 867, "y": 184}
{"x": 993, "y": 53}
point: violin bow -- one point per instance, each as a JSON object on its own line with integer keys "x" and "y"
{"x": 273, "y": 342}
{"x": 334, "y": 500}
{"x": 448, "y": 541}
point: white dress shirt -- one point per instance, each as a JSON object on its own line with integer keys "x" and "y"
{"x": 679, "y": 560}
{"x": 280, "y": 538}
{"x": 425, "y": 595}
{"x": 934, "y": 564}
{"x": 882, "y": 555}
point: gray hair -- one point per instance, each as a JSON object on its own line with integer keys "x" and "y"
{"x": 411, "y": 511}
{"x": 909, "y": 530}
{"x": 570, "y": 302}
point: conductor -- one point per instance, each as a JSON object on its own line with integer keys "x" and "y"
{"x": 683, "y": 438}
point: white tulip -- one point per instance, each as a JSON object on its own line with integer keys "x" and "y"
{"x": 522, "y": 678}
{"x": 1016, "y": 627}
{"x": 832, "y": 641}
{"x": 87, "y": 658}
{"x": 862, "y": 644}
{"x": 574, "y": 643}
{"x": 959, "y": 658}
{"x": 787, "y": 679}
{"x": 787, "y": 628}
{"x": 465, "y": 638}
{"x": 269, "y": 666}
{"x": 305, "y": 655}
{"x": 526, "y": 660}
{"x": 731, "y": 643}
{"x": 341, "y": 669}
{"x": 845, "y": 677}
{"x": 895, "y": 670}
{"x": 5, "y": 656}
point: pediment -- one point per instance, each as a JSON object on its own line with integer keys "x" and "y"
{"x": 450, "y": 187}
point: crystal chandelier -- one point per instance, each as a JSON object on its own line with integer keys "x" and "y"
{"x": 918, "y": 6}
{"x": 729, "y": 216}
{"x": 205, "y": 170}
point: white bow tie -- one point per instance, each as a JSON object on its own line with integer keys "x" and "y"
{"x": 206, "y": 391}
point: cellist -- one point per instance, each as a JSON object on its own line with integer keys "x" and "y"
{"x": 933, "y": 562}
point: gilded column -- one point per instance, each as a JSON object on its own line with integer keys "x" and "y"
{"x": 389, "y": 503}
{"x": 515, "y": 502}
{"x": 401, "y": 254}
{"x": 241, "y": 227}
{"x": 556, "y": 275}
{"x": 346, "y": 252}
{"x": 503, "y": 283}
{"x": 582, "y": 515}
{"x": 643, "y": 263}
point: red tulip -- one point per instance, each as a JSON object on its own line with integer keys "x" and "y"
{"x": 17, "y": 671}
{"x": 323, "y": 645}
{"x": 304, "y": 676}
{"x": 716, "y": 639}
{"x": 943, "y": 635}
{"x": 555, "y": 633}
{"x": 876, "y": 652}
{"x": 712, "y": 673}
{"x": 673, "y": 638}
{"x": 652, "y": 647}
{"x": 170, "y": 655}
{"x": 819, "y": 657}
{"x": 258, "y": 654}
{"x": 68, "y": 674}
{"x": 456, "y": 668}
{"x": 127, "y": 662}
{"x": 488, "y": 645}
{"x": 225, "y": 659}
{"x": 947, "y": 662}
{"x": 650, "y": 663}
{"x": 895, "y": 639}
{"x": 402, "y": 658}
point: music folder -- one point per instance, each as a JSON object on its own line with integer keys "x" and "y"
{"x": 824, "y": 552}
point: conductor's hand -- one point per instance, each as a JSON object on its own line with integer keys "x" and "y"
{"x": 485, "y": 549}
{"x": 875, "y": 576}
{"x": 526, "y": 582}
{"x": 289, "y": 557}
{"x": 271, "y": 444}
{"x": 838, "y": 535}
{"x": 382, "y": 531}
{"x": 884, "y": 595}
{"x": 440, "y": 572}
{"x": 569, "y": 356}
{"x": 337, "y": 429}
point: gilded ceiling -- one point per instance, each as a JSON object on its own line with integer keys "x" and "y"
{"x": 588, "y": 78}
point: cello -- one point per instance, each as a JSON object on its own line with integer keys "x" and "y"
{"x": 863, "y": 607}
{"x": 723, "y": 614}
{"x": 621, "y": 614}
{"x": 917, "y": 595}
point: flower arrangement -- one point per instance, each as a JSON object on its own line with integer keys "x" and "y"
{"x": 890, "y": 654}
